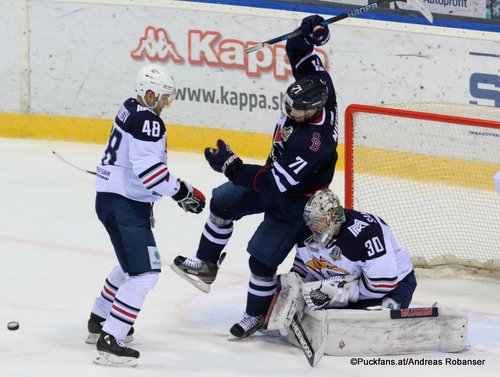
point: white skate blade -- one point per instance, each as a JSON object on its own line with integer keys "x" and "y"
{"x": 92, "y": 338}
{"x": 110, "y": 360}
{"x": 201, "y": 285}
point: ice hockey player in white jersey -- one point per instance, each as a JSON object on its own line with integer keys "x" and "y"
{"x": 131, "y": 176}
{"x": 351, "y": 259}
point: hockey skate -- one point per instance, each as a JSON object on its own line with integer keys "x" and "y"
{"x": 246, "y": 327}
{"x": 113, "y": 352}
{"x": 94, "y": 326}
{"x": 197, "y": 272}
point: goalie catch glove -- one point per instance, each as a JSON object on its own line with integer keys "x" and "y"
{"x": 335, "y": 292}
{"x": 189, "y": 198}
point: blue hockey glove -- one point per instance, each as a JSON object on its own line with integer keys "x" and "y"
{"x": 314, "y": 32}
{"x": 189, "y": 198}
{"x": 222, "y": 159}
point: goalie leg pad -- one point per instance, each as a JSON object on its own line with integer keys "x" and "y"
{"x": 286, "y": 302}
{"x": 364, "y": 332}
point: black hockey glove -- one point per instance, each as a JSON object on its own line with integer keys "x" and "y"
{"x": 189, "y": 198}
{"x": 314, "y": 32}
{"x": 222, "y": 159}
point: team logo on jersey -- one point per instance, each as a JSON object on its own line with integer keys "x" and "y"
{"x": 315, "y": 142}
{"x": 278, "y": 135}
{"x": 357, "y": 227}
{"x": 286, "y": 132}
{"x": 322, "y": 264}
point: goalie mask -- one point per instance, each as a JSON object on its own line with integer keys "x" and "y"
{"x": 159, "y": 81}
{"x": 324, "y": 215}
{"x": 303, "y": 98}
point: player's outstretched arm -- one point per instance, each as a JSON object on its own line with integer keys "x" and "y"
{"x": 222, "y": 159}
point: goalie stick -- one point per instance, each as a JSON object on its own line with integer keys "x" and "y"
{"x": 417, "y": 4}
{"x": 312, "y": 355}
{"x": 283, "y": 316}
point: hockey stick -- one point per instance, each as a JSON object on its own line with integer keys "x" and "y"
{"x": 313, "y": 356}
{"x": 70, "y": 164}
{"x": 417, "y": 4}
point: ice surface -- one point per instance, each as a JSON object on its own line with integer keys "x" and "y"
{"x": 55, "y": 256}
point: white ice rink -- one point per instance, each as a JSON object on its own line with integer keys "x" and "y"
{"x": 55, "y": 256}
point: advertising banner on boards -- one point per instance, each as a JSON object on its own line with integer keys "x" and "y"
{"x": 84, "y": 62}
{"x": 465, "y": 8}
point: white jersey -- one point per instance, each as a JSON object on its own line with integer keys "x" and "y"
{"x": 367, "y": 249}
{"x": 496, "y": 179}
{"x": 135, "y": 160}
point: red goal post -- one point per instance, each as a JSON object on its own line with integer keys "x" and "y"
{"x": 427, "y": 169}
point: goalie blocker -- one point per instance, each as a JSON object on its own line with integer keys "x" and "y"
{"x": 356, "y": 332}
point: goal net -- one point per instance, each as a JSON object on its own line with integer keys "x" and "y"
{"x": 427, "y": 170}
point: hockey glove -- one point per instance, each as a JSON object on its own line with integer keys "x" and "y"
{"x": 189, "y": 198}
{"x": 314, "y": 32}
{"x": 222, "y": 159}
{"x": 335, "y": 292}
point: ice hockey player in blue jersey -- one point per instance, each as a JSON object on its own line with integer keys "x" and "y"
{"x": 351, "y": 259}
{"x": 301, "y": 161}
{"x": 133, "y": 174}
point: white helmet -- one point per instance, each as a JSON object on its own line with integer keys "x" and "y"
{"x": 159, "y": 81}
{"x": 324, "y": 215}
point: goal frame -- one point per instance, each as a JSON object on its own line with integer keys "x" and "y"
{"x": 349, "y": 134}
{"x": 485, "y": 118}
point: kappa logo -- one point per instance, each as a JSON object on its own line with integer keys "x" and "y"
{"x": 156, "y": 46}
{"x": 357, "y": 227}
{"x": 209, "y": 48}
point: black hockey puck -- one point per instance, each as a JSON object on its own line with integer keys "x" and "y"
{"x": 13, "y": 326}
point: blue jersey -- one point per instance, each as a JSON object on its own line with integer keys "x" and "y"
{"x": 135, "y": 160}
{"x": 303, "y": 155}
